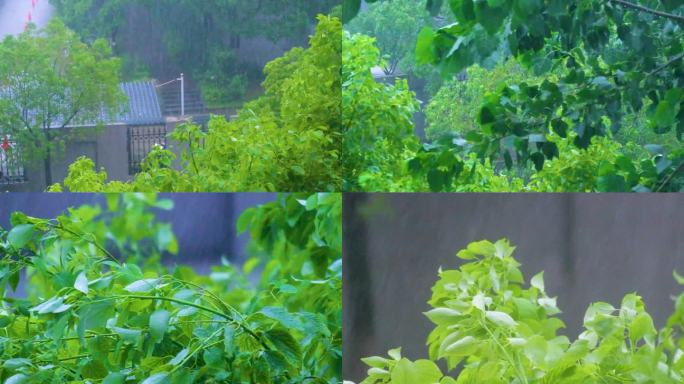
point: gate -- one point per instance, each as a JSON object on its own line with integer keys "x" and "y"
{"x": 141, "y": 140}
{"x": 12, "y": 169}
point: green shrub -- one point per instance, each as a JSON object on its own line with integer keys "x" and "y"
{"x": 90, "y": 316}
{"x": 454, "y": 108}
{"x": 491, "y": 327}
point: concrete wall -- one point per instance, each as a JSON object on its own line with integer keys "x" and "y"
{"x": 106, "y": 146}
{"x": 591, "y": 247}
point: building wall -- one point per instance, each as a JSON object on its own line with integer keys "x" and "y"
{"x": 592, "y": 248}
{"x": 106, "y": 146}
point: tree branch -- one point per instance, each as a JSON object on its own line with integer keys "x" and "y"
{"x": 669, "y": 62}
{"x": 641, "y": 8}
{"x": 672, "y": 175}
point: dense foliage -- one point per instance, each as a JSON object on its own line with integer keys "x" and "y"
{"x": 50, "y": 80}
{"x": 589, "y": 70}
{"x": 453, "y": 110}
{"x": 394, "y": 25}
{"x": 490, "y": 327}
{"x": 286, "y": 140}
{"x": 200, "y": 37}
{"x": 99, "y": 306}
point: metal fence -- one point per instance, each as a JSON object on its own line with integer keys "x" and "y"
{"x": 141, "y": 140}
{"x": 12, "y": 169}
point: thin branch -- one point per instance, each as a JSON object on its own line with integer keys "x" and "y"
{"x": 672, "y": 175}
{"x": 82, "y": 236}
{"x": 669, "y": 62}
{"x": 641, "y": 8}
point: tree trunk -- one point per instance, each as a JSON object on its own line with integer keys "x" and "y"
{"x": 48, "y": 168}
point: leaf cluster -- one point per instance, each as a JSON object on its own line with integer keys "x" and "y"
{"x": 99, "y": 306}
{"x": 491, "y": 326}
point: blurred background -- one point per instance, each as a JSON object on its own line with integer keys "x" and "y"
{"x": 204, "y": 223}
{"x": 592, "y": 248}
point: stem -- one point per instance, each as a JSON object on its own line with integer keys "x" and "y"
{"x": 82, "y": 237}
{"x": 672, "y": 175}
{"x": 669, "y": 62}
{"x": 201, "y": 346}
{"x": 222, "y": 303}
{"x": 649, "y": 10}
{"x": 173, "y": 300}
{"x": 198, "y": 306}
{"x": 511, "y": 361}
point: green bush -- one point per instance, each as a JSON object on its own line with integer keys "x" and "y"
{"x": 491, "y": 327}
{"x": 454, "y": 108}
{"x": 287, "y": 140}
{"x": 90, "y": 316}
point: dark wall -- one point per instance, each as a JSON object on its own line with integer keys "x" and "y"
{"x": 203, "y": 223}
{"x": 591, "y": 247}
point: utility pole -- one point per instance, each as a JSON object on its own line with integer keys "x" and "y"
{"x": 182, "y": 81}
{"x": 182, "y": 84}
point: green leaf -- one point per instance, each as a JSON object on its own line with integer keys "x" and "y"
{"x": 157, "y": 378}
{"x": 538, "y": 281}
{"x": 442, "y": 315}
{"x": 501, "y": 319}
{"x": 482, "y": 248}
{"x": 19, "y": 378}
{"x": 54, "y": 305}
{"x": 245, "y": 220}
{"x": 420, "y": 371}
{"x": 20, "y": 235}
{"x": 425, "y": 53}
{"x": 375, "y": 361}
{"x": 283, "y": 316}
{"x": 16, "y": 363}
{"x": 164, "y": 204}
{"x": 641, "y": 326}
{"x": 298, "y": 170}
{"x": 115, "y": 378}
{"x": 144, "y": 285}
{"x": 285, "y": 344}
{"x": 159, "y": 323}
{"x": 180, "y": 357}
{"x": 395, "y": 353}
{"x": 349, "y": 9}
{"x": 81, "y": 283}
{"x": 130, "y": 335}
{"x": 460, "y": 347}
{"x": 679, "y": 278}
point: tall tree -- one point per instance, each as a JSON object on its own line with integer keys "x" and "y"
{"x": 394, "y": 25}
{"x": 49, "y": 81}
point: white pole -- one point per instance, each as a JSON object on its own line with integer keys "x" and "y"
{"x": 182, "y": 80}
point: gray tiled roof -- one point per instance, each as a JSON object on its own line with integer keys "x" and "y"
{"x": 143, "y": 108}
{"x": 143, "y": 104}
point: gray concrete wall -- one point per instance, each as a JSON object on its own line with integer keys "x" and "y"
{"x": 106, "y": 146}
{"x": 591, "y": 247}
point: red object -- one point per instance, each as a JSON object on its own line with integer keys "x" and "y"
{"x": 33, "y": 3}
{"x": 6, "y": 144}
{"x": 30, "y": 18}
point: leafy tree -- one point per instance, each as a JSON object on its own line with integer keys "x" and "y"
{"x": 199, "y": 36}
{"x": 590, "y": 78}
{"x": 614, "y": 56}
{"x": 454, "y": 108}
{"x": 50, "y": 80}
{"x": 286, "y": 140}
{"x": 491, "y": 326}
{"x": 376, "y": 118}
{"x": 89, "y": 315}
{"x": 394, "y": 24}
